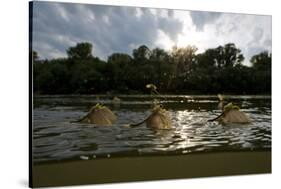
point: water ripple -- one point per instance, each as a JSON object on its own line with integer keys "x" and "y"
{"x": 55, "y": 138}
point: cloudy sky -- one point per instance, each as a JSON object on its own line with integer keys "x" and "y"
{"x": 57, "y": 26}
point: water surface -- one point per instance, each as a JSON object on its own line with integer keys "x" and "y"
{"x": 55, "y": 138}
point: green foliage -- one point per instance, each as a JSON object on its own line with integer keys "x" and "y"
{"x": 217, "y": 70}
{"x": 80, "y": 51}
{"x": 262, "y": 61}
{"x": 262, "y": 71}
{"x": 141, "y": 54}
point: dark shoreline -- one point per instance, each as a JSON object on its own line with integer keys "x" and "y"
{"x": 128, "y": 169}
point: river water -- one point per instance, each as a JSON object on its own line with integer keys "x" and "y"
{"x": 56, "y": 138}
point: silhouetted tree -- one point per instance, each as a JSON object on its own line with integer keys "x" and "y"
{"x": 141, "y": 54}
{"x": 228, "y": 56}
{"x": 262, "y": 72}
{"x": 119, "y": 58}
{"x": 80, "y": 51}
{"x": 262, "y": 61}
{"x": 216, "y": 70}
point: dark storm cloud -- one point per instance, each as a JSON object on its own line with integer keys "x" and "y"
{"x": 110, "y": 29}
{"x": 200, "y": 18}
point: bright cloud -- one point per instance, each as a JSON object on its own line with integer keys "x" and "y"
{"x": 57, "y": 26}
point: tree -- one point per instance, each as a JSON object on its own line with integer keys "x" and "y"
{"x": 221, "y": 57}
{"x": 183, "y": 58}
{"x": 162, "y": 69}
{"x": 228, "y": 56}
{"x": 262, "y": 72}
{"x": 217, "y": 70}
{"x": 262, "y": 61}
{"x": 141, "y": 54}
{"x": 80, "y": 51}
{"x": 119, "y": 58}
{"x": 207, "y": 59}
{"x": 117, "y": 70}
{"x": 159, "y": 55}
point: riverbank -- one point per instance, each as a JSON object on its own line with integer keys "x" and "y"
{"x": 128, "y": 169}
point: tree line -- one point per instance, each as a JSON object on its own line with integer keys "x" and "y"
{"x": 179, "y": 71}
